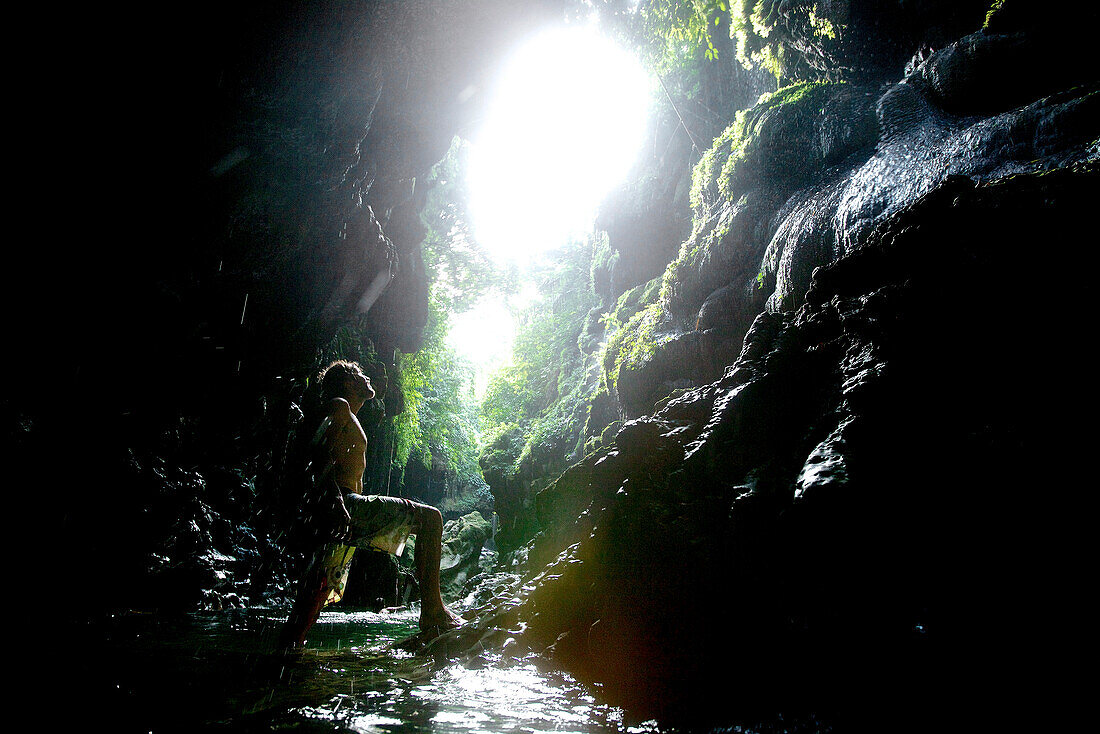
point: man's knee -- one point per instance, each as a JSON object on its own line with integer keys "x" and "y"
{"x": 429, "y": 519}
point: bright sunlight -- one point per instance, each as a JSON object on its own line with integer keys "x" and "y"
{"x": 564, "y": 126}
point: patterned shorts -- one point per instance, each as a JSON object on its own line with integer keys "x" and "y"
{"x": 380, "y": 523}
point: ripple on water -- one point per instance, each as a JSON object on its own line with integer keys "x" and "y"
{"x": 219, "y": 671}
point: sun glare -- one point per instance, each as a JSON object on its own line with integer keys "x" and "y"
{"x": 564, "y": 126}
{"x": 484, "y": 336}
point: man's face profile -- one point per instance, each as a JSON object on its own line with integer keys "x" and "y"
{"x": 359, "y": 385}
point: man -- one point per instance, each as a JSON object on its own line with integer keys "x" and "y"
{"x": 376, "y": 522}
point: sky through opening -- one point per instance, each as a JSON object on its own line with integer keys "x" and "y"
{"x": 564, "y": 125}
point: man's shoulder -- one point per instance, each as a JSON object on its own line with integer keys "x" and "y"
{"x": 337, "y": 413}
{"x": 338, "y": 409}
{"x": 334, "y": 417}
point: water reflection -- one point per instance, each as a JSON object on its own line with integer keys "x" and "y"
{"x": 218, "y": 671}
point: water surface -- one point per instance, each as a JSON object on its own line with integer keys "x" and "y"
{"x": 217, "y": 671}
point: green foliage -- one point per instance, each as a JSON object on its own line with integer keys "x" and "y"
{"x": 681, "y": 29}
{"x": 715, "y": 174}
{"x": 628, "y": 306}
{"x": 791, "y": 40}
{"x": 458, "y": 267}
{"x": 477, "y": 498}
{"x": 535, "y": 400}
{"x": 440, "y": 419}
{"x": 349, "y": 342}
{"x": 669, "y": 33}
{"x": 677, "y": 40}
{"x": 704, "y": 176}
{"x": 991, "y": 15}
{"x": 753, "y": 22}
{"x": 1013, "y": 16}
{"x": 634, "y": 344}
{"x": 604, "y": 259}
{"x": 740, "y": 153}
{"x": 636, "y": 299}
{"x": 707, "y": 233}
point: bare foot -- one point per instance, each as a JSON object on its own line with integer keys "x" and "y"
{"x": 436, "y": 622}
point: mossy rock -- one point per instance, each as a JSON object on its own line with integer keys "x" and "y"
{"x": 635, "y": 299}
{"x": 725, "y": 248}
{"x": 592, "y": 331}
{"x": 1013, "y": 16}
{"x": 789, "y": 136}
{"x": 846, "y": 40}
{"x": 789, "y": 139}
{"x": 498, "y": 458}
{"x": 462, "y": 542}
{"x": 608, "y": 434}
{"x": 602, "y": 412}
{"x": 604, "y": 259}
{"x": 635, "y": 343}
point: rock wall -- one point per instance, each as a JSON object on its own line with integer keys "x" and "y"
{"x": 798, "y": 180}
{"x": 247, "y": 189}
{"x": 843, "y": 479}
{"x": 867, "y": 513}
{"x": 866, "y": 517}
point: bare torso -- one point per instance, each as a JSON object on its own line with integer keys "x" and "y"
{"x": 347, "y": 445}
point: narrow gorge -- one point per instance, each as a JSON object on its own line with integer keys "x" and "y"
{"x": 791, "y": 450}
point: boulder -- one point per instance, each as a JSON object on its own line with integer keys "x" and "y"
{"x": 463, "y": 540}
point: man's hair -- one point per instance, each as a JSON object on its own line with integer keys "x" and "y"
{"x": 335, "y": 377}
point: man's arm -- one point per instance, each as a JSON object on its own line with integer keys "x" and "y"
{"x": 336, "y": 518}
{"x": 326, "y": 443}
{"x": 327, "y": 438}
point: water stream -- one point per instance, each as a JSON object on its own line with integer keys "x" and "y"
{"x": 217, "y": 671}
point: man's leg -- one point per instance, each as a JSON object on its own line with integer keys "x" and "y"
{"x": 308, "y": 602}
{"x": 428, "y": 529}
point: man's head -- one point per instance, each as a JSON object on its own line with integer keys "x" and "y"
{"x": 344, "y": 379}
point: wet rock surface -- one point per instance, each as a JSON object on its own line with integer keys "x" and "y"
{"x": 463, "y": 540}
{"x": 823, "y": 506}
{"x": 267, "y": 155}
{"x": 822, "y": 515}
{"x": 803, "y": 178}
{"x": 839, "y": 478}
{"x": 853, "y": 515}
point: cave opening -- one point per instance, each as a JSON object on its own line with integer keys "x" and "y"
{"x": 564, "y": 125}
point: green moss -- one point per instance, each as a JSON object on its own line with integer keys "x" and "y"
{"x": 502, "y": 449}
{"x": 823, "y": 27}
{"x": 790, "y": 94}
{"x": 775, "y": 140}
{"x": 608, "y": 434}
{"x": 991, "y": 15}
{"x": 752, "y": 22}
{"x": 694, "y": 252}
{"x": 677, "y": 393}
{"x": 792, "y": 41}
{"x": 679, "y": 270}
{"x": 705, "y": 174}
{"x": 634, "y": 300}
{"x": 603, "y": 264}
{"x": 716, "y": 173}
{"x": 634, "y": 344}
